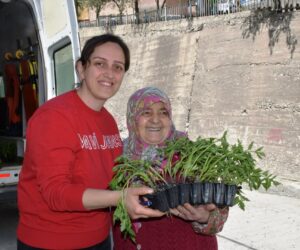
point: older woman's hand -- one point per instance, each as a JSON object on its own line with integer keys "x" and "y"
{"x": 134, "y": 208}
{"x": 194, "y": 213}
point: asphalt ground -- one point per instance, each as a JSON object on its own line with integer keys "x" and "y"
{"x": 270, "y": 221}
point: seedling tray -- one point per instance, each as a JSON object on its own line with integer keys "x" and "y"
{"x": 198, "y": 193}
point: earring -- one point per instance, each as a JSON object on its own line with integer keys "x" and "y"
{"x": 78, "y": 84}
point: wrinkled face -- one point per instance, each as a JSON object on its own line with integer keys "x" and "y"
{"x": 154, "y": 124}
{"x": 103, "y": 75}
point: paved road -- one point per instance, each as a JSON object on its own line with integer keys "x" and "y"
{"x": 8, "y": 224}
{"x": 269, "y": 222}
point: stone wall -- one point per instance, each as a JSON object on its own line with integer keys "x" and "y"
{"x": 238, "y": 72}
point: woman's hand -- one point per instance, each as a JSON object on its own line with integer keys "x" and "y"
{"x": 134, "y": 208}
{"x": 193, "y": 213}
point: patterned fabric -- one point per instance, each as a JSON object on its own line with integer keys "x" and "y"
{"x": 216, "y": 221}
{"x": 142, "y": 99}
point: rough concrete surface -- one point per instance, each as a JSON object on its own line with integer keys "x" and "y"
{"x": 237, "y": 72}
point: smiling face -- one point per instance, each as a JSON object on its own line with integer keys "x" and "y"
{"x": 102, "y": 76}
{"x": 154, "y": 124}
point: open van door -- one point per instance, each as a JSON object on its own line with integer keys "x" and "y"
{"x": 60, "y": 43}
{"x": 39, "y": 44}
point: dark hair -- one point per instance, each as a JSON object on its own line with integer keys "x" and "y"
{"x": 95, "y": 41}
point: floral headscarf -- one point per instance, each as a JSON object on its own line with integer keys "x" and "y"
{"x": 142, "y": 99}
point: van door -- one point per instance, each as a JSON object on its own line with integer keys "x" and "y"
{"x": 59, "y": 43}
{"x": 39, "y": 45}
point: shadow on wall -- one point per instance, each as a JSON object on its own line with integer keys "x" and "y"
{"x": 276, "y": 23}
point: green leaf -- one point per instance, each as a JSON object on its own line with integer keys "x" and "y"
{"x": 120, "y": 214}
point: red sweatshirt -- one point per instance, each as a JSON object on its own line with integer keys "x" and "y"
{"x": 69, "y": 148}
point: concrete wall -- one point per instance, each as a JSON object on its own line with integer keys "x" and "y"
{"x": 238, "y": 72}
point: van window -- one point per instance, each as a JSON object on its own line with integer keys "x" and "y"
{"x": 64, "y": 69}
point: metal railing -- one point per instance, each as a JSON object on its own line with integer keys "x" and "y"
{"x": 200, "y": 8}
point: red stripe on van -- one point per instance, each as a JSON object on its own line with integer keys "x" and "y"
{"x": 5, "y": 175}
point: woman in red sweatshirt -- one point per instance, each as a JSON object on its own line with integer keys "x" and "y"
{"x": 72, "y": 142}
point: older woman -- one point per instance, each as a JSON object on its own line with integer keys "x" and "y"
{"x": 150, "y": 125}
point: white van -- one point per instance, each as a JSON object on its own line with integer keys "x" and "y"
{"x": 39, "y": 44}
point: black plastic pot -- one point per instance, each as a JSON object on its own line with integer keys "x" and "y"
{"x": 196, "y": 193}
{"x": 207, "y": 192}
{"x": 219, "y": 194}
{"x": 184, "y": 190}
{"x": 230, "y": 193}
{"x": 158, "y": 200}
{"x": 172, "y": 195}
